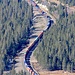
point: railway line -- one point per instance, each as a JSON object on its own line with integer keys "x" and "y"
{"x": 37, "y": 39}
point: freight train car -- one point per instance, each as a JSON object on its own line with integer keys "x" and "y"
{"x": 28, "y": 54}
{"x": 37, "y": 39}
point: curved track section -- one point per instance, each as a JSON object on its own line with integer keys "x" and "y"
{"x": 39, "y": 37}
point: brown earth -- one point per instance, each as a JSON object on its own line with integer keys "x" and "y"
{"x": 43, "y": 71}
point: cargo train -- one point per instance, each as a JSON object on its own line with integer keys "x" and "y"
{"x": 37, "y": 39}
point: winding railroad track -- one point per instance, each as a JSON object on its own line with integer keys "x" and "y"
{"x": 31, "y": 48}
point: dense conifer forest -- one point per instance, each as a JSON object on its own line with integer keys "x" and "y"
{"x": 57, "y": 49}
{"x": 70, "y": 2}
{"x": 15, "y": 22}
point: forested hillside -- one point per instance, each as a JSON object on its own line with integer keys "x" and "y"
{"x": 39, "y": 1}
{"x": 15, "y": 22}
{"x": 70, "y": 2}
{"x": 57, "y": 49}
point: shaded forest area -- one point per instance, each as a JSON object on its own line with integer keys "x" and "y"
{"x": 57, "y": 49}
{"x": 70, "y": 2}
{"x": 15, "y": 22}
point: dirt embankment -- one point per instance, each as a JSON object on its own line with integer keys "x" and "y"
{"x": 43, "y": 71}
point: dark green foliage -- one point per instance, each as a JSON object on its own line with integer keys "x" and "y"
{"x": 53, "y": 3}
{"x": 15, "y": 22}
{"x": 70, "y": 2}
{"x": 39, "y": 1}
{"x": 57, "y": 49}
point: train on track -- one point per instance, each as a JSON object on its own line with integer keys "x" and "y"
{"x": 31, "y": 47}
